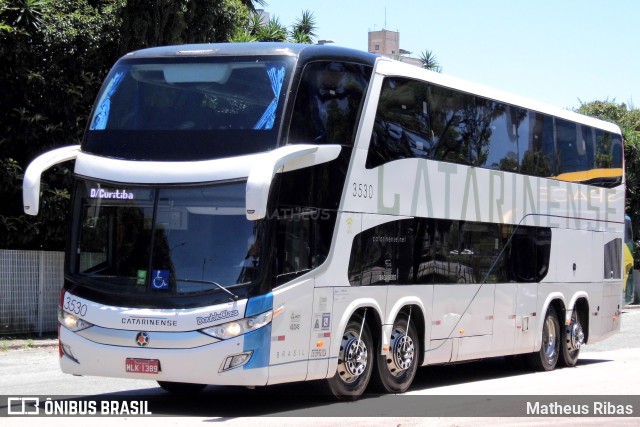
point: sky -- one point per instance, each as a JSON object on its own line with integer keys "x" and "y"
{"x": 561, "y": 52}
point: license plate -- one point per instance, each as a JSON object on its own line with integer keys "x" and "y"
{"x": 142, "y": 366}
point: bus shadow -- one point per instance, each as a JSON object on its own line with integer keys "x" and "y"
{"x": 306, "y": 398}
{"x": 430, "y": 377}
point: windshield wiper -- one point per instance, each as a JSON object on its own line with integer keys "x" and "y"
{"x": 234, "y": 297}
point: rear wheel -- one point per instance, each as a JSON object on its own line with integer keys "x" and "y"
{"x": 397, "y": 369}
{"x": 355, "y": 361}
{"x": 547, "y": 358}
{"x": 572, "y": 340}
{"x": 181, "y": 388}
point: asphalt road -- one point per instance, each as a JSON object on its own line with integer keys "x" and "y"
{"x": 495, "y": 386}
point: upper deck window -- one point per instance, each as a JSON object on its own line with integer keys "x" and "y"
{"x": 179, "y": 109}
{"x": 328, "y": 103}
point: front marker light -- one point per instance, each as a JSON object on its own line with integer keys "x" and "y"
{"x": 239, "y": 327}
{"x": 236, "y": 361}
{"x": 72, "y": 322}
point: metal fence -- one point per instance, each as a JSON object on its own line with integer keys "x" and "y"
{"x": 30, "y": 283}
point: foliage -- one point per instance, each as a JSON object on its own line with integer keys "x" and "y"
{"x": 429, "y": 61}
{"x": 256, "y": 28}
{"x": 629, "y": 121}
{"x": 55, "y": 55}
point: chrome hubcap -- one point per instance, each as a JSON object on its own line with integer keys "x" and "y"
{"x": 402, "y": 352}
{"x": 353, "y": 358}
{"x": 576, "y": 336}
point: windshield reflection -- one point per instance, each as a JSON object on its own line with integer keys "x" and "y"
{"x": 165, "y": 241}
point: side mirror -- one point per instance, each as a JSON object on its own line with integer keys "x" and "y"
{"x": 283, "y": 159}
{"x": 31, "y": 181}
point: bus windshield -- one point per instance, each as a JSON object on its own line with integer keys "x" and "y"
{"x": 149, "y": 241}
{"x": 183, "y": 109}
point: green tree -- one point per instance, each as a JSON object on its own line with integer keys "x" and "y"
{"x": 628, "y": 118}
{"x": 304, "y": 29}
{"x": 429, "y": 61}
{"x": 257, "y": 29}
{"x": 55, "y": 54}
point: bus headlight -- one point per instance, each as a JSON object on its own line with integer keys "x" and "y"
{"x": 239, "y": 327}
{"x": 72, "y": 322}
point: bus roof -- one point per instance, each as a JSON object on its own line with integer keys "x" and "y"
{"x": 248, "y": 49}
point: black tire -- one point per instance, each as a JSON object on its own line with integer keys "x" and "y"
{"x": 397, "y": 369}
{"x": 572, "y": 337}
{"x": 547, "y": 357}
{"x": 181, "y": 388}
{"x": 355, "y": 362}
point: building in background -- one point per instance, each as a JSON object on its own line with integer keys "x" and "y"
{"x": 387, "y": 43}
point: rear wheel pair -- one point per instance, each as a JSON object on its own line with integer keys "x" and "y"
{"x": 393, "y": 372}
{"x": 560, "y": 344}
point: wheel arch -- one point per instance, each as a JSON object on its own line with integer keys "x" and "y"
{"x": 373, "y": 319}
{"x": 417, "y": 309}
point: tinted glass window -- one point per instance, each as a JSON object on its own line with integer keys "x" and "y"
{"x": 383, "y": 254}
{"x": 433, "y": 251}
{"x": 437, "y": 255}
{"x": 589, "y": 146}
{"x": 417, "y": 119}
{"x": 527, "y": 256}
{"x": 539, "y": 159}
{"x": 503, "y": 135}
{"x": 189, "y": 108}
{"x": 164, "y": 241}
{"x": 328, "y": 103}
{"x": 401, "y": 129}
{"x": 453, "y": 123}
{"x": 570, "y": 148}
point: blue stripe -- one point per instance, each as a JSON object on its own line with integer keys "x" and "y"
{"x": 259, "y": 305}
{"x": 258, "y": 341}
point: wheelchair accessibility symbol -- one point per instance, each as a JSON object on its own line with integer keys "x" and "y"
{"x": 160, "y": 279}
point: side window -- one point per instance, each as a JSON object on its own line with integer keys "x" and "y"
{"x": 539, "y": 159}
{"x": 415, "y": 119}
{"x": 604, "y": 152}
{"x": 452, "y": 117}
{"x": 571, "y": 149}
{"x": 528, "y": 254}
{"x": 302, "y": 242}
{"x": 480, "y": 247}
{"x": 589, "y": 146}
{"x": 401, "y": 128}
{"x": 441, "y": 260}
{"x": 608, "y": 155}
{"x": 437, "y": 251}
{"x": 502, "y": 135}
{"x": 328, "y": 103}
{"x": 613, "y": 259}
{"x": 383, "y": 255}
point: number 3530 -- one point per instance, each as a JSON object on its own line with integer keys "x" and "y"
{"x": 362, "y": 191}
{"x": 72, "y": 305}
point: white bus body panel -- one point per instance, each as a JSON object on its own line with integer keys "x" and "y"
{"x": 198, "y": 365}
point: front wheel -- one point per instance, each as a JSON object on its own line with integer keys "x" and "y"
{"x": 397, "y": 369}
{"x": 547, "y": 358}
{"x": 355, "y": 361}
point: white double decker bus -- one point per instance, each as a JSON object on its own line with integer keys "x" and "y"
{"x": 254, "y": 214}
